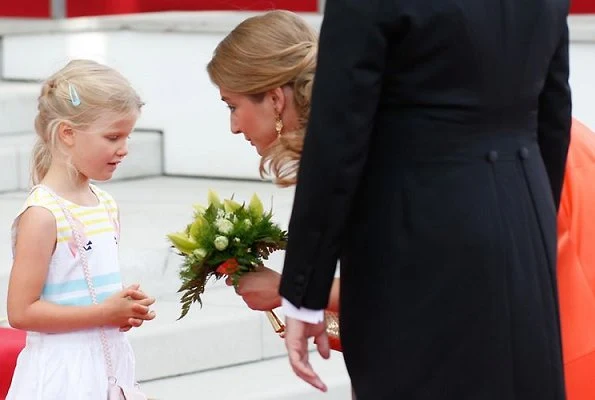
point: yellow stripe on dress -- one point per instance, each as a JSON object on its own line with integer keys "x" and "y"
{"x": 84, "y": 213}
{"x": 87, "y": 223}
{"x": 89, "y": 233}
{"x": 51, "y": 203}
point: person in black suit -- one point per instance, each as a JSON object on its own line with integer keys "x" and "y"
{"x": 432, "y": 168}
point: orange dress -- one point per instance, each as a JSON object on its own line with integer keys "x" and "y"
{"x": 576, "y": 264}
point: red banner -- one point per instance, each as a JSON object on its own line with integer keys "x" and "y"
{"x": 582, "y": 7}
{"x": 11, "y": 344}
{"x": 76, "y": 8}
{"x": 79, "y": 8}
{"x": 25, "y": 8}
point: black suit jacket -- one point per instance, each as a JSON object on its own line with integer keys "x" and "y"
{"x": 380, "y": 56}
{"x": 432, "y": 167}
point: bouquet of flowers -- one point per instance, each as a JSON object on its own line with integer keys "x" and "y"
{"x": 225, "y": 238}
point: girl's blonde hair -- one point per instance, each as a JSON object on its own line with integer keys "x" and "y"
{"x": 77, "y": 95}
{"x": 263, "y": 53}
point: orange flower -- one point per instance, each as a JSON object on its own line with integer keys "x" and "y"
{"x": 229, "y": 267}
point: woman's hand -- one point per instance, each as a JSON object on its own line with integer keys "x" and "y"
{"x": 259, "y": 289}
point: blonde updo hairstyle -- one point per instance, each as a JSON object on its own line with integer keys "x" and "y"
{"x": 263, "y": 53}
{"x": 99, "y": 88}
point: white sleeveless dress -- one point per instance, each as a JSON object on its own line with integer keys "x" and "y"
{"x": 71, "y": 366}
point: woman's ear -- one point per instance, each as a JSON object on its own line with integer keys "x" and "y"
{"x": 66, "y": 134}
{"x": 279, "y": 100}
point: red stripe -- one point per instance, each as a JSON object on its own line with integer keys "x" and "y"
{"x": 41, "y": 8}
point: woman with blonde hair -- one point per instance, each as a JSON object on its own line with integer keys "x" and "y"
{"x": 264, "y": 70}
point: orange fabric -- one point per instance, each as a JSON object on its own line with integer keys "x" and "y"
{"x": 335, "y": 343}
{"x": 576, "y": 264}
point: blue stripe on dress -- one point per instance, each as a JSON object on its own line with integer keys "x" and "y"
{"x": 77, "y": 285}
{"x": 84, "y": 300}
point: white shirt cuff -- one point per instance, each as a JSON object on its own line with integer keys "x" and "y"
{"x": 302, "y": 314}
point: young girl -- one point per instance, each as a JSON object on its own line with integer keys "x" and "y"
{"x": 86, "y": 113}
{"x": 264, "y": 70}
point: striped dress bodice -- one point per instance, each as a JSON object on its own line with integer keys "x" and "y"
{"x": 65, "y": 283}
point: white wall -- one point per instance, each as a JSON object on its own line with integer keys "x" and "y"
{"x": 165, "y": 59}
{"x": 582, "y": 81}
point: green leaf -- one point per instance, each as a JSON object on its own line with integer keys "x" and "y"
{"x": 199, "y": 223}
{"x": 256, "y": 208}
{"x": 213, "y": 198}
{"x": 199, "y": 209}
{"x": 231, "y": 206}
{"x": 182, "y": 242}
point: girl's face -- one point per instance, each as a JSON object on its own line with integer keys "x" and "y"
{"x": 97, "y": 150}
{"x": 254, "y": 117}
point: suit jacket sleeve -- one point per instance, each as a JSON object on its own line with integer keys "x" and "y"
{"x": 555, "y": 117}
{"x": 345, "y": 97}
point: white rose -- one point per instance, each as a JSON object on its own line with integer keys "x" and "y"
{"x": 200, "y": 253}
{"x": 224, "y": 226}
{"x": 221, "y": 243}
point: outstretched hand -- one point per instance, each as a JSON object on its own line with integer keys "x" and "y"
{"x": 297, "y": 334}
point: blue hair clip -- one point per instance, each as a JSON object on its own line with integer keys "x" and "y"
{"x": 74, "y": 96}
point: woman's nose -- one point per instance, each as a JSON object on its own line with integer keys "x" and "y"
{"x": 234, "y": 126}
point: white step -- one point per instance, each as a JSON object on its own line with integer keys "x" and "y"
{"x": 149, "y": 209}
{"x": 224, "y": 332}
{"x": 145, "y": 158}
{"x": 18, "y": 107}
{"x": 268, "y": 380}
{"x": 186, "y": 105}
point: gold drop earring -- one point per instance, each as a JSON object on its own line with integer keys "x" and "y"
{"x": 278, "y": 125}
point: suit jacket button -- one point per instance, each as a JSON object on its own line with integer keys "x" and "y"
{"x": 524, "y": 153}
{"x": 492, "y": 156}
{"x": 300, "y": 279}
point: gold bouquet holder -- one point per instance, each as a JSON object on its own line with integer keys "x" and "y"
{"x": 276, "y": 323}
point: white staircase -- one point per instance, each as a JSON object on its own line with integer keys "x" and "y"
{"x": 222, "y": 351}
{"x": 18, "y": 107}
